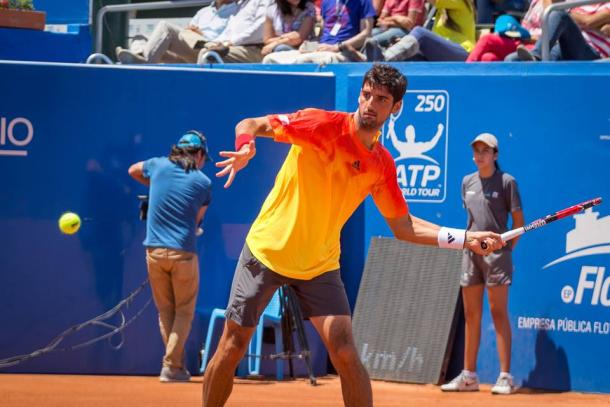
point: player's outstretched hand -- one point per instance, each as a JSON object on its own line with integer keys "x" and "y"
{"x": 236, "y": 160}
{"x": 493, "y": 242}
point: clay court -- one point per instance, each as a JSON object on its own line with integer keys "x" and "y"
{"x": 138, "y": 391}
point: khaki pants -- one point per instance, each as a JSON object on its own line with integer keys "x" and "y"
{"x": 174, "y": 280}
{"x": 168, "y": 43}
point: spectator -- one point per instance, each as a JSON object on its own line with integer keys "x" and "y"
{"x": 451, "y": 39}
{"x": 287, "y": 25}
{"x": 486, "y": 9}
{"x": 508, "y": 33}
{"x": 170, "y": 43}
{"x": 242, "y": 39}
{"x": 581, "y": 34}
{"x": 397, "y": 18}
{"x": 346, "y": 24}
{"x": 378, "y": 6}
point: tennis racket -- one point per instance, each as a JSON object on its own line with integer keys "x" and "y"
{"x": 538, "y": 223}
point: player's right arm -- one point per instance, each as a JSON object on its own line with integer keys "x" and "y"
{"x": 245, "y": 132}
{"x": 413, "y": 229}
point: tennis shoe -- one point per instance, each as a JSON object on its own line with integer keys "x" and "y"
{"x": 504, "y": 385}
{"x": 462, "y": 382}
{"x": 171, "y": 374}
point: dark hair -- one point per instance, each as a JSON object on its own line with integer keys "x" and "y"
{"x": 496, "y": 161}
{"x": 389, "y": 77}
{"x": 186, "y": 157}
{"x": 286, "y": 9}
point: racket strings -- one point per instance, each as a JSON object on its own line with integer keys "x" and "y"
{"x": 99, "y": 321}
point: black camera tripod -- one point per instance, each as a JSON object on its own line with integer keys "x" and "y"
{"x": 292, "y": 320}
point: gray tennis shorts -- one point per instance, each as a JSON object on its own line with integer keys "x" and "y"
{"x": 495, "y": 269}
{"x": 254, "y": 284}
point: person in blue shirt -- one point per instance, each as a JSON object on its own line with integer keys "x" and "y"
{"x": 179, "y": 195}
{"x": 346, "y": 25}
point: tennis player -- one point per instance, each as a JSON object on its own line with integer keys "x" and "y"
{"x": 334, "y": 163}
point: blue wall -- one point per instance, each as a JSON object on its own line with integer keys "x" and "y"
{"x": 89, "y": 124}
{"x": 92, "y": 122}
{"x": 65, "y": 11}
{"x": 554, "y": 131}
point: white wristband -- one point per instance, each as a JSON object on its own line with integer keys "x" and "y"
{"x": 449, "y": 238}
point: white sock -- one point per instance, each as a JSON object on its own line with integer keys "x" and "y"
{"x": 504, "y": 374}
{"x": 469, "y": 374}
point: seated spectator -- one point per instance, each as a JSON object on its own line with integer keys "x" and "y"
{"x": 378, "y": 6}
{"x": 242, "y": 39}
{"x": 397, "y": 18}
{"x": 451, "y": 39}
{"x": 487, "y": 9}
{"x": 346, "y": 23}
{"x": 170, "y": 43}
{"x": 574, "y": 36}
{"x": 287, "y": 25}
{"x": 508, "y": 33}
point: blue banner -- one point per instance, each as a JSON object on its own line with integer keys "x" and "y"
{"x": 554, "y": 138}
{"x": 68, "y": 134}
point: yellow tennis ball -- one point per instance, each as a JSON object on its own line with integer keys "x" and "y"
{"x": 69, "y": 223}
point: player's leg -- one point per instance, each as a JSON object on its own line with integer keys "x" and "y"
{"x": 336, "y": 333}
{"x": 324, "y": 302}
{"x": 218, "y": 378}
{"x": 252, "y": 289}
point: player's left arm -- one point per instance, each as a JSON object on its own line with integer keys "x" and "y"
{"x": 136, "y": 171}
{"x": 413, "y": 229}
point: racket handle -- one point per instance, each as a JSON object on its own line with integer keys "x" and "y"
{"x": 511, "y": 234}
{"x": 506, "y": 236}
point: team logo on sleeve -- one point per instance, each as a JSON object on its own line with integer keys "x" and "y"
{"x": 417, "y": 137}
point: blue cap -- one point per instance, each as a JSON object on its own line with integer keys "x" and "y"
{"x": 508, "y": 26}
{"x": 194, "y": 139}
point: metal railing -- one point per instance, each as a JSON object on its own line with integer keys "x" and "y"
{"x": 546, "y": 49}
{"x": 157, "y": 5}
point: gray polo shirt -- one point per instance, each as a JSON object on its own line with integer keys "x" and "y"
{"x": 488, "y": 201}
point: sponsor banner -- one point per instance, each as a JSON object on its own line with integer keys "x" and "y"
{"x": 418, "y": 136}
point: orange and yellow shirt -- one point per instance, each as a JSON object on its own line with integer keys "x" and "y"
{"x": 327, "y": 174}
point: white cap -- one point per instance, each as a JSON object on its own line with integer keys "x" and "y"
{"x": 486, "y": 138}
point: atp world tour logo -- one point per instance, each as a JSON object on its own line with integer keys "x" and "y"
{"x": 590, "y": 237}
{"x": 417, "y": 138}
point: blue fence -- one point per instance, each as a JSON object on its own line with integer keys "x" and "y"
{"x": 90, "y": 123}
{"x": 70, "y": 146}
{"x": 65, "y": 11}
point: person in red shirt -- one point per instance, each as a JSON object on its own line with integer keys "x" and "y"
{"x": 397, "y": 19}
{"x": 334, "y": 163}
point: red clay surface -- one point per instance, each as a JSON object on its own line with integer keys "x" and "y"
{"x": 137, "y": 391}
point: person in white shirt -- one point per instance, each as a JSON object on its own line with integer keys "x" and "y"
{"x": 170, "y": 43}
{"x": 242, "y": 39}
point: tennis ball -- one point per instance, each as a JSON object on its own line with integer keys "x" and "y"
{"x": 69, "y": 223}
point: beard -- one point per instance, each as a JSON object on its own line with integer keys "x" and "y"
{"x": 368, "y": 123}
